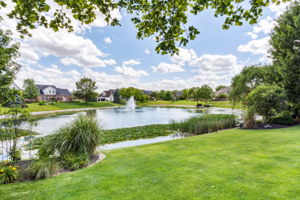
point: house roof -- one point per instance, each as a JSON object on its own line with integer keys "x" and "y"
{"x": 59, "y": 91}
{"x": 107, "y": 93}
{"x": 64, "y": 92}
{"x": 225, "y": 90}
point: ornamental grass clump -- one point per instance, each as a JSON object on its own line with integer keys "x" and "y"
{"x": 71, "y": 148}
{"x": 79, "y": 137}
{"x": 205, "y": 124}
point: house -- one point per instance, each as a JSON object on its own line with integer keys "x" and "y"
{"x": 225, "y": 91}
{"x": 51, "y": 92}
{"x": 107, "y": 95}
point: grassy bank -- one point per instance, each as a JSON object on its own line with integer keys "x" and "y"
{"x": 220, "y": 104}
{"x": 232, "y": 164}
{"x": 34, "y": 107}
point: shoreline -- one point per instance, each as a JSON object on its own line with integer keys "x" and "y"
{"x": 65, "y": 111}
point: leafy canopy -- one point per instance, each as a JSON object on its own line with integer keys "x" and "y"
{"x": 267, "y": 100}
{"x": 251, "y": 77}
{"x": 30, "y": 89}
{"x": 166, "y": 20}
{"x": 204, "y": 93}
{"x": 285, "y": 51}
{"x": 85, "y": 89}
{"x": 8, "y": 67}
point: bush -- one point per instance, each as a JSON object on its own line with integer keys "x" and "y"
{"x": 205, "y": 124}
{"x": 8, "y": 173}
{"x": 79, "y": 137}
{"x": 43, "y": 168}
{"x": 42, "y": 103}
{"x": 74, "y": 162}
{"x": 267, "y": 100}
{"x": 283, "y": 118}
{"x": 222, "y": 97}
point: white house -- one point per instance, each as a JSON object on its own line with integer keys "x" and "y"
{"x": 107, "y": 95}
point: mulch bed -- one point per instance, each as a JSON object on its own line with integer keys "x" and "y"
{"x": 263, "y": 126}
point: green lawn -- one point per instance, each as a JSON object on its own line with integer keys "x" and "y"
{"x": 34, "y": 107}
{"x": 231, "y": 164}
{"x": 221, "y": 104}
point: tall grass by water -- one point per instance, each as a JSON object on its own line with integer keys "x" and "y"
{"x": 204, "y": 124}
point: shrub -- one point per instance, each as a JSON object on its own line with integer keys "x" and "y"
{"x": 74, "y": 162}
{"x": 205, "y": 124}
{"x": 8, "y": 173}
{"x": 42, "y": 103}
{"x": 266, "y": 101}
{"x": 79, "y": 137}
{"x": 284, "y": 118}
{"x": 222, "y": 97}
{"x": 43, "y": 168}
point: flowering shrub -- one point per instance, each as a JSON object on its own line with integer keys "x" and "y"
{"x": 8, "y": 173}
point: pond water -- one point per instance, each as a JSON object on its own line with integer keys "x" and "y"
{"x": 121, "y": 117}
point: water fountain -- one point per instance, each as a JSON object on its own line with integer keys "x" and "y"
{"x": 130, "y": 103}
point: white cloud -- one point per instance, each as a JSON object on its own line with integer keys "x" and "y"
{"x": 107, "y": 40}
{"x": 164, "y": 68}
{"x": 131, "y": 62}
{"x": 279, "y": 9}
{"x": 264, "y": 26}
{"x": 107, "y": 81}
{"x": 87, "y": 61}
{"x": 147, "y": 51}
{"x": 257, "y": 47}
{"x": 49, "y": 75}
{"x": 129, "y": 71}
{"x": 217, "y": 64}
{"x": 72, "y": 46}
{"x": 183, "y": 56}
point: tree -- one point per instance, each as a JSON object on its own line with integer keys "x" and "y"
{"x": 251, "y": 77}
{"x": 285, "y": 51}
{"x": 136, "y": 93}
{"x": 8, "y": 67}
{"x": 85, "y": 89}
{"x": 117, "y": 98}
{"x": 205, "y": 93}
{"x": 267, "y": 100}
{"x": 184, "y": 94}
{"x": 166, "y": 20}
{"x": 30, "y": 89}
{"x": 220, "y": 87}
{"x": 168, "y": 96}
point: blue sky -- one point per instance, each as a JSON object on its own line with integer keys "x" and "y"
{"x": 114, "y": 58}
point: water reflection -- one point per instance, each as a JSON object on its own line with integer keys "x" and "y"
{"x": 121, "y": 118}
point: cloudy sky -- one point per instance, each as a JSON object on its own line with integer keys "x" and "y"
{"x": 114, "y": 58}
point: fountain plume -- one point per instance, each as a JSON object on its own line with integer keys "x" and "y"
{"x": 130, "y": 103}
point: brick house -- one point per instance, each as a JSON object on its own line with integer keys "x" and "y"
{"x": 50, "y": 93}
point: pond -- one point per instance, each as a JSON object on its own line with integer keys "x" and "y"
{"x": 122, "y": 118}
